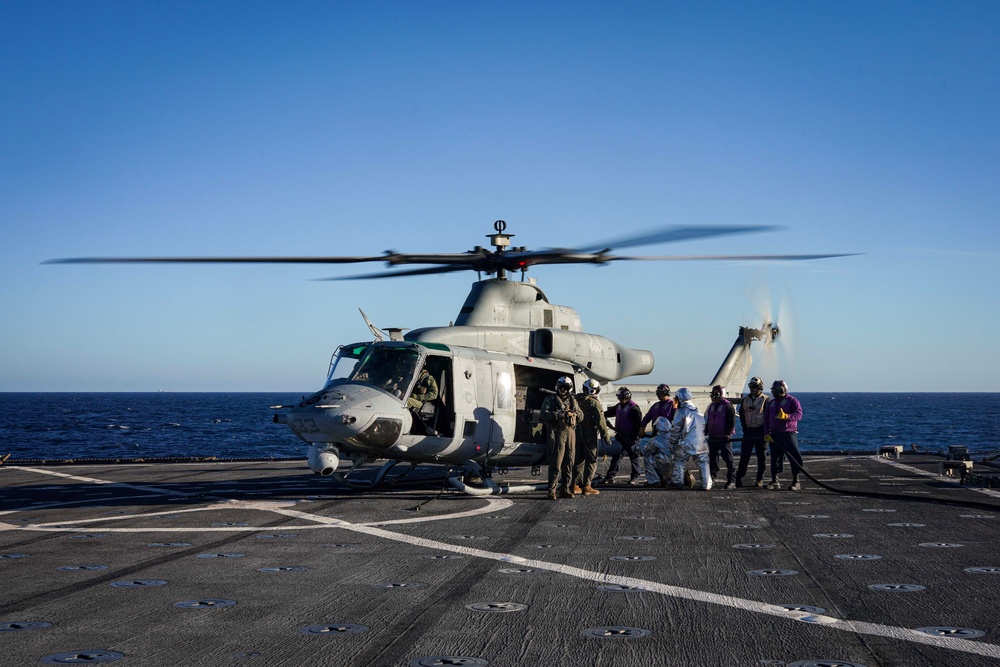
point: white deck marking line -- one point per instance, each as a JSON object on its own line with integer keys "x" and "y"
{"x": 318, "y": 521}
{"x": 858, "y": 627}
{"x": 125, "y": 485}
{"x": 941, "y": 478}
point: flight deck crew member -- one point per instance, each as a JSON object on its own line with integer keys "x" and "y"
{"x": 781, "y": 425}
{"x": 664, "y": 407}
{"x": 687, "y": 439}
{"x": 627, "y": 419}
{"x": 720, "y": 425}
{"x": 752, "y": 422}
{"x": 591, "y": 428}
{"x": 561, "y": 413}
{"x": 424, "y": 391}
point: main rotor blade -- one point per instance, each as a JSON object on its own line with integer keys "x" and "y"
{"x": 675, "y": 234}
{"x": 710, "y": 258}
{"x": 218, "y": 260}
{"x": 410, "y": 272}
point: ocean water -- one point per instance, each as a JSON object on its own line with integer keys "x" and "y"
{"x": 238, "y": 425}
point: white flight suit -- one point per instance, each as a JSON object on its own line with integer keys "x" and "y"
{"x": 687, "y": 438}
{"x": 657, "y": 453}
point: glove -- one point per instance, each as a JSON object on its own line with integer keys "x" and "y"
{"x": 782, "y": 415}
{"x": 768, "y": 439}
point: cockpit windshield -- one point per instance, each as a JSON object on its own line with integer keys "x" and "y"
{"x": 344, "y": 361}
{"x": 389, "y": 368}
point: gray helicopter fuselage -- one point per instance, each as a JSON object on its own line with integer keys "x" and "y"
{"x": 492, "y": 371}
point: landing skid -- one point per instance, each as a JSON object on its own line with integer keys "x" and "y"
{"x": 460, "y": 478}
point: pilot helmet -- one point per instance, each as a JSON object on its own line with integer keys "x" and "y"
{"x": 663, "y": 391}
{"x": 756, "y": 383}
{"x": 592, "y": 387}
{"x": 564, "y": 385}
{"x": 624, "y": 394}
{"x": 779, "y": 387}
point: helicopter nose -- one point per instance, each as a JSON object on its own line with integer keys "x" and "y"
{"x": 355, "y": 415}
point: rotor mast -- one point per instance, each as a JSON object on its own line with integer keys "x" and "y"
{"x": 500, "y": 241}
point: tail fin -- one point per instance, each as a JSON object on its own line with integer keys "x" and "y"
{"x": 735, "y": 369}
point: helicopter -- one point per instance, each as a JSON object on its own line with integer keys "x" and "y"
{"x": 490, "y": 369}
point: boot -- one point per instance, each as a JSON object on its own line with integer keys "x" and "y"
{"x": 590, "y": 491}
{"x": 552, "y": 495}
{"x": 576, "y": 489}
{"x": 706, "y": 476}
{"x": 566, "y": 494}
{"x": 774, "y": 484}
{"x": 795, "y": 485}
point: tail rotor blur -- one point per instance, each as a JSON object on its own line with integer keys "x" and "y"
{"x": 771, "y": 306}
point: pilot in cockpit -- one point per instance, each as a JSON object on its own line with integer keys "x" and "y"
{"x": 424, "y": 391}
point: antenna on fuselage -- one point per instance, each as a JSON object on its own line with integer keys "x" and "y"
{"x": 375, "y": 329}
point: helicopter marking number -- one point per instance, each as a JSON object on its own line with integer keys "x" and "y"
{"x": 306, "y": 425}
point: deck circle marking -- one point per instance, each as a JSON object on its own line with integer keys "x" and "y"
{"x": 334, "y": 629}
{"x": 19, "y": 626}
{"x": 497, "y": 607}
{"x": 517, "y": 570}
{"x": 772, "y": 572}
{"x": 616, "y": 632}
{"x": 400, "y": 584}
{"x": 274, "y": 536}
{"x": 812, "y": 516}
{"x": 898, "y": 588}
{"x": 139, "y": 583}
{"x": 622, "y": 588}
{"x": 941, "y": 545}
{"x": 632, "y": 558}
{"x": 754, "y": 546}
{"x": 944, "y": 631}
{"x": 635, "y": 538}
{"x": 809, "y": 609}
{"x": 207, "y": 603}
{"x": 835, "y": 536}
{"x": 74, "y": 568}
{"x": 983, "y": 570}
{"x": 824, "y": 663}
{"x": 858, "y": 557}
{"x": 221, "y": 555}
{"x": 442, "y": 557}
{"x": 908, "y": 525}
{"x": 82, "y": 657}
{"x": 977, "y": 516}
{"x": 343, "y": 545}
{"x": 89, "y": 536}
{"x": 875, "y": 509}
{"x": 542, "y": 546}
{"x": 447, "y": 660}
{"x": 282, "y": 568}
{"x": 742, "y": 525}
{"x": 169, "y": 544}
{"x": 12, "y": 556}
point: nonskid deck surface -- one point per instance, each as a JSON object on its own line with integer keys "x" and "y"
{"x": 264, "y": 563}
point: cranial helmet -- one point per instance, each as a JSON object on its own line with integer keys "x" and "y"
{"x": 779, "y": 386}
{"x": 624, "y": 394}
{"x": 564, "y": 384}
{"x": 756, "y": 383}
{"x": 592, "y": 387}
{"x": 683, "y": 394}
{"x": 718, "y": 390}
{"x": 662, "y": 391}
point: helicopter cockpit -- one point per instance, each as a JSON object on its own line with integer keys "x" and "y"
{"x": 388, "y": 367}
{"x": 343, "y": 363}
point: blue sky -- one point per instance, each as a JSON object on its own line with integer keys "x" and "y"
{"x": 251, "y": 128}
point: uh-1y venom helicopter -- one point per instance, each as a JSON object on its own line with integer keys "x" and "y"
{"x": 492, "y": 367}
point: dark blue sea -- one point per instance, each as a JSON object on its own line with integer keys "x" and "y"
{"x": 238, "y": 425}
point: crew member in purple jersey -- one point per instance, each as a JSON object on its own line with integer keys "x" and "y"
{"x": 664, "y": 407}
{"x": 781, "y": 426}
{"x": 627, "y": 418}
{"x": 720, "y": 425}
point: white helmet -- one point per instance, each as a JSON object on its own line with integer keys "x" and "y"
{"x": 592, "y": 387}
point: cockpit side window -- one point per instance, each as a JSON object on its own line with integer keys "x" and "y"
{"x": 391, "y": 369}
{"x": 344, "y": 361}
